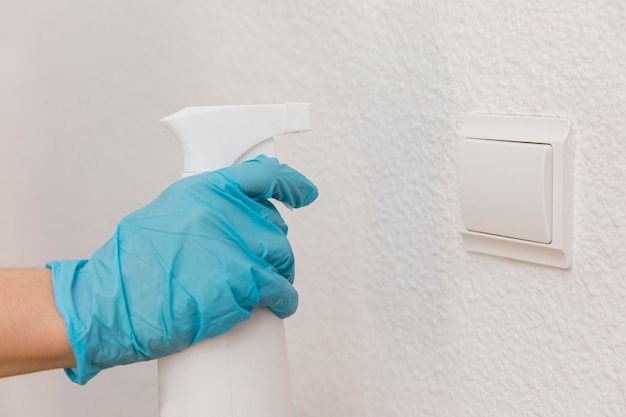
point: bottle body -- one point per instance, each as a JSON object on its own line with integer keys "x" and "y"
{"x": 242, "y": 373}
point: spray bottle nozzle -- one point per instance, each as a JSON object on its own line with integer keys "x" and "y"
{"x": 212, "y": 137}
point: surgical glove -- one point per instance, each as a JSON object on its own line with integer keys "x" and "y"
{"x": 188, "y": 266}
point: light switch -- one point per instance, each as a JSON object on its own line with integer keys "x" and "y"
{"x": 505, "y": 188}
{"x": 516, "y": 186}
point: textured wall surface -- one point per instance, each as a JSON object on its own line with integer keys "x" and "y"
{"x": 396, "y": 318}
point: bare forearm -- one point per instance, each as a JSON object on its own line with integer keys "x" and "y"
{"x": 32, "y": 332}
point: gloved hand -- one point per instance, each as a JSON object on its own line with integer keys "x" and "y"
{"x": 188, "y": 266}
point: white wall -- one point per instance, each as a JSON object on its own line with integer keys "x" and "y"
{"x": 396, "y": 318}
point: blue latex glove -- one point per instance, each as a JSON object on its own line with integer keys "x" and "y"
{"x": 188, "y": 266}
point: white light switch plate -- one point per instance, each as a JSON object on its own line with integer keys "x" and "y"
{"x": 516, "y": 187}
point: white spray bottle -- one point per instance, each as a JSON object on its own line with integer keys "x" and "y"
{"x": 245, "y": 372}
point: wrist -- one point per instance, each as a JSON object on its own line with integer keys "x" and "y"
{"x": 32, "y": 332}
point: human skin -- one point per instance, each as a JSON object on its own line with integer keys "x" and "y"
{"x": 32, "y": 333}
